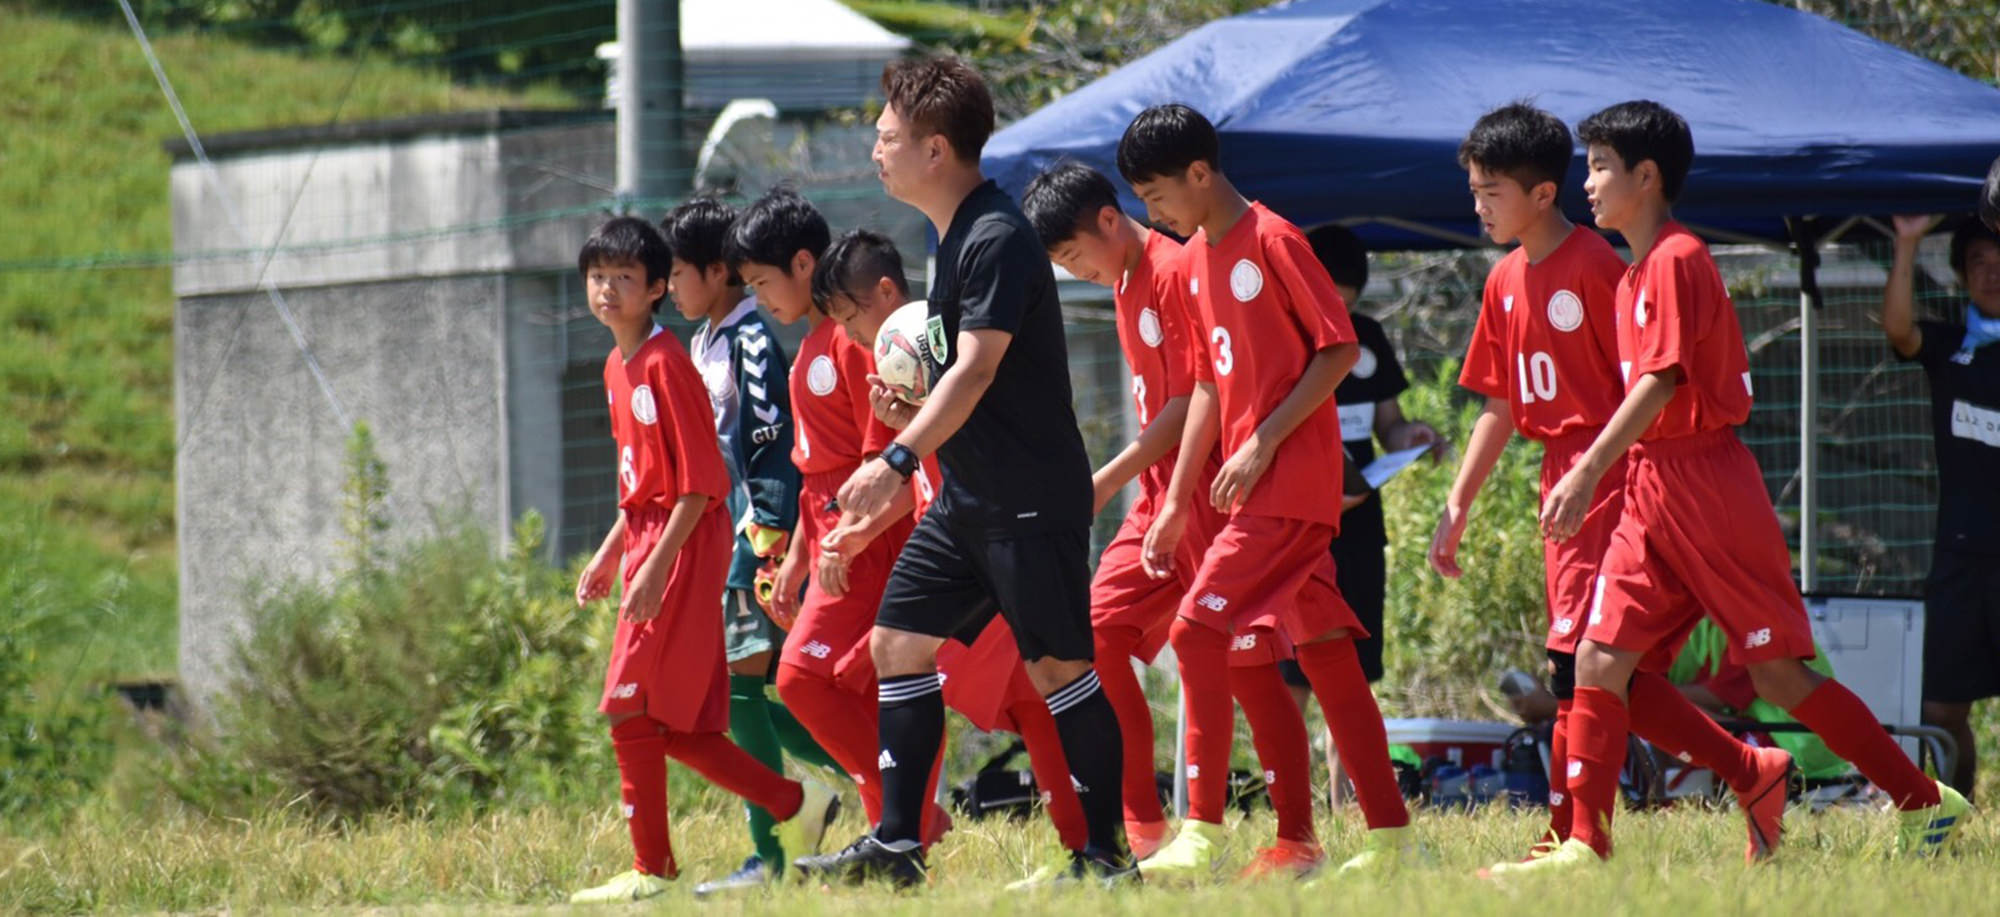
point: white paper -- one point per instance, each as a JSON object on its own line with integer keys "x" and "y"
{"x": 1379, "y": 471}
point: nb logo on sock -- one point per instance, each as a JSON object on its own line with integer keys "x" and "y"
{"x": 886, "y": 761}
{"x": 1575, "y": 769}
{"x": 628, "y": 813}
{"x": 1556, "y": 799}
{"x": 1194, "y": 772}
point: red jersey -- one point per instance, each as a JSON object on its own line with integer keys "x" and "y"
{"x": 1152, "y": 310}
{"x": 1263, "y": 307}
{"x": 1673, "y": 311}
{"x": 924, "y": 485}
{"x": 1547, "y": 337}
{"x": 833, "y": 425}
{"x": 665, "y": 432}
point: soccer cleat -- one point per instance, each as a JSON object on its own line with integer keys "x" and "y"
{"x": 1764, "y": 804}
{"x": 1384, "y": 851}
{"x": 868, "y": 859}
{"x": 1924, "y": 832}
{"x": 1195, "y": 851}
{"x": 1570, "y": 854}
{"x": 1543, "y": 847}
{"x": 800, "y": 835}
{"x": 630, "y": 885}
{"x": 1097, "y": 866}
{"x": 1286, "y": 859}
{"x": 1145, "y": 837}
{"x": 1046, "y": 874}
{"x": 753, "y": 875}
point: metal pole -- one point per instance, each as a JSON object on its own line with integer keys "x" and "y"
{"x": 1808, "y": 409}
{"x": 650, "y": 161}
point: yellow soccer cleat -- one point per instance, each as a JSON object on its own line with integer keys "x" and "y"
{"x": 1924, "y": 832}
{"x": 1195, "y": 852}
{"x": 631, "y": 885}
{"x": 800, "y": 835}
{"x": 1571, "y": 854}
{"x": 1384, "y": 851}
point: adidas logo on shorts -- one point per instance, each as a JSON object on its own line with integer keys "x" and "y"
{"x": 1242, "y": 642}
{"x": 1212, "y": 602}
{"x": 626, "y": 690}
{"x": 1757, "y": 638}
{"x": 886, "y": 761}
{"x": 816, "y": 649}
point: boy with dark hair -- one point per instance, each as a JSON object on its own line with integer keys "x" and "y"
{"x": 665, "y": 690}
{"x": 1962, "y": 598}
{"x": 1544, "y": 355}
{"x": 1074, "y": 209}
{"x": 1989, "y": 197}
{"x": 1010, "y": 531}
{"x": 1691, "y": 537}
{"x": 1273, "y": 341}
{"x": 861, "y": 281}
{"x": 744, "y": 370}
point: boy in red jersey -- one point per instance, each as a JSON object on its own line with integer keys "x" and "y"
{"x": 1544, "y": 353}
{"x": 1274, "y": 340}
{"x": 860, "y": 280}
{"x": 666, "y": 690}
{"x": 1695, "y": 534}
{"x": 1075, "y": 211}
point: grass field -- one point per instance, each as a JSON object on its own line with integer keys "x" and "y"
{"x": 86, "y": 384}
{"x": 1676, "y": 862}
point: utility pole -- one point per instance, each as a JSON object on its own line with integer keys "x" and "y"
{"x": 652, "y": 167}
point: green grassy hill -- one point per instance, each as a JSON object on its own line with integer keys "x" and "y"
{"x": 86, "y": 382}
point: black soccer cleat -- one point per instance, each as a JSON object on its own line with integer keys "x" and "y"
{"x": 1096, "y": 865}
{"x": 867, "y": 859}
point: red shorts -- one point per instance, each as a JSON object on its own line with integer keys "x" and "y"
{"x": 1122, "y": 595}
{"x": 670, "y": 668}
{"x": 1271, "y": 574}
{"x": 982, "y": 680}
{"x": 1570, "y": 567}
{"x": 830, "y": 637}
{"x": 1699, "y": 535}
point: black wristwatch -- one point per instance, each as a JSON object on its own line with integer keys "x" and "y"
{"x": 900, "y": 458}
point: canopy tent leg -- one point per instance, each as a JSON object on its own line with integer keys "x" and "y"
{"x": 1807, "y": 244}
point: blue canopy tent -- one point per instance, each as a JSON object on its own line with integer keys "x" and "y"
{"x": 1351, "y": 111}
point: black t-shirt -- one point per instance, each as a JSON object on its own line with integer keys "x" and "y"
{"x": 1965, "y": 426}
{"x": 1018, "y": 464}
{"x": 1376, "y": 376}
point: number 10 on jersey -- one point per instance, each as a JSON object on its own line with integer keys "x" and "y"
{"x": 1538, "y": 376}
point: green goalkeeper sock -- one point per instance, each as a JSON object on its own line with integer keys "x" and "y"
{"x": 797, "y": 741}
{"x": 750, "y": 726}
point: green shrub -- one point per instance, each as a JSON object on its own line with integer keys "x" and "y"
{"x": 55, "y": 744}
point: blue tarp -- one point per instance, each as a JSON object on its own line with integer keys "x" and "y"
{"x": 1353, "y": 110}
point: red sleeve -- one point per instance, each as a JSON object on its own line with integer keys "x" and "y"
{"x": 856, "y": 364}
{"x": 1674, "y": 316}
{"x": 1485, "y": 370}
{"x": 1308, "y": 291}
{"x": 692, "y": 456}
{"x": 1176, "y": 309}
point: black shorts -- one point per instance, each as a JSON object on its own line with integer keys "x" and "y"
{"x": 1962, "y": 628}
{"x": 1362, "y": 573}
{"x": 950, "y": 583}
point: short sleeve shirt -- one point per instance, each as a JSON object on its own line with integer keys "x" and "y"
{"x": 1377, "y": 376}
{"x": 1151, "y": 307}
{"x": 665, "y": 432}
{"x": 1674, "y": 312}
{"x": 1018, "y": 463}
{"x": 1547, "y": 338}
{"x": 1265, "y": 306}
{"x": 1965, "y": 427}
{"x": 834, "y": 424}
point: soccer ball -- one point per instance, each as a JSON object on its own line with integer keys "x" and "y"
{"x": 903, "y": 353}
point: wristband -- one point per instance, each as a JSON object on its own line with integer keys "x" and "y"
{"x": 899, "y": 458}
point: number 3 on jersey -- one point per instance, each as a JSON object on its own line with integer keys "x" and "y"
{"x": 1224, "y": 360}
{"x": 1538, "y": 376}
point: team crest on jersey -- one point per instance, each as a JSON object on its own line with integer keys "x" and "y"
{"x": 940, "y": 345}
{"x": 1245, "y": 281}
{"x": 820, "y": 376}
{"x": 1565, "y": 311}
{"x": 643, "y": 408}
{"x": 1639, "y": 310}
{"x": 1149, "y": 327}
{"x": 1365, "y": 364}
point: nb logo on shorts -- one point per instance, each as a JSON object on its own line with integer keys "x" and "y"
{"x": 1556, "y": 799}
{"x": 629, "y": 689}
{"x": 1757, "y": 638}
{"x": 1575, "y": 768}
{"x": 886, "y": 761}
{"x": 816, "y": 649}
{"x": 1565, "y": 625}
{"x": 1242, "y": 642}
{"x": 628, "y": 813}
{"x": 1212, "y": 602}
{"x": 1270, "y": 777}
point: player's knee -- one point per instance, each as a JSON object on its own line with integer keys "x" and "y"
{"x": 900, "y": 652}
{"x": 1050, "y": 675}
{"x": 1600, "y": 666}
{"x": 1784, "y": 682}
{"x": 1953, "y": 717}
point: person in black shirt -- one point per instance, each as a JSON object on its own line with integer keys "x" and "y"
{"x": 1961, "y": 357}
{"x": 1010, "y": 531}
